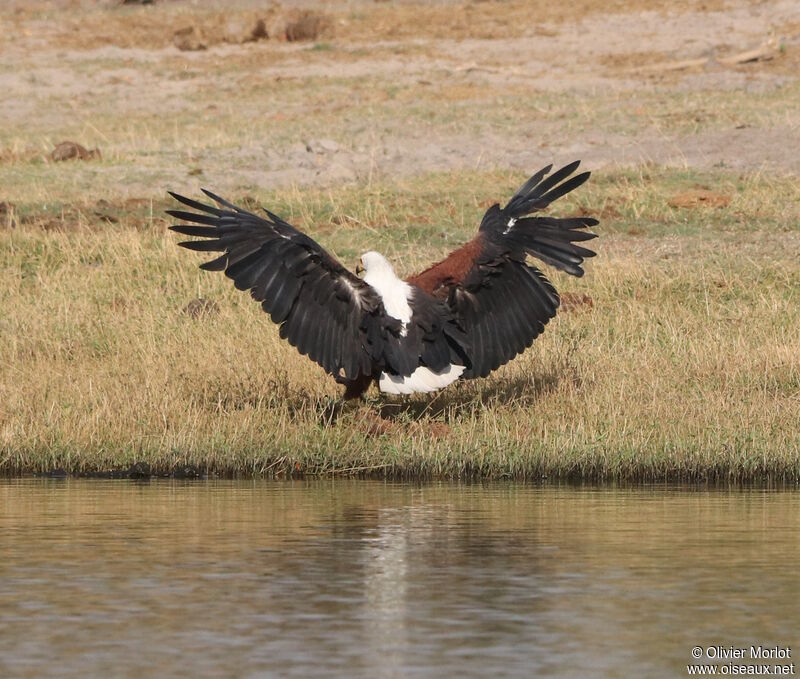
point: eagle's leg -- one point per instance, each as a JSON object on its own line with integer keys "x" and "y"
{"x": 355, "y": 388}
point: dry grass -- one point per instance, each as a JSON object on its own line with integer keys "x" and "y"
{"x": 685, "y": 366}
{"x": 153, "y": 27}
{"x": 681, "y": 364}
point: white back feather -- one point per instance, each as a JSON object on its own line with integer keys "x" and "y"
{"x": 395, "y": 293}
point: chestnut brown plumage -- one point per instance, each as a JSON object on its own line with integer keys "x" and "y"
{"x": 460, "y": 318}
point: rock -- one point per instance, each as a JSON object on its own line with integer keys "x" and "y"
{"x": 259, "y": 31}
{"x": 238, "y": 31}
{"x": 186, "y": 471}
{"x": 138, "y": 470}
{"x": 305, "y": 25}
{"x": 235, "y": 31}
{"x": 201, "y": 307}
{"x": 69, "y": 150}
{"x": 322, "y": 146}
{"x": 187, "y": 39}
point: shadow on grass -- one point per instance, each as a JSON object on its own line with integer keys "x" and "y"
{"x": 520, "y": 391}
{"x": 450, "y": 404}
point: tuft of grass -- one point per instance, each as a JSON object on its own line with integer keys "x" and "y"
{"x": 684, "y": 367}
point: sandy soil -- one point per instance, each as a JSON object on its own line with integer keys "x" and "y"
{"x": 398, "y": 89}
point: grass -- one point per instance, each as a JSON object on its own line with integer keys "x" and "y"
{"x": 684, "y": 367}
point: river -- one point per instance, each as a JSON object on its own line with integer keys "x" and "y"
{"x": 370, "y": 579}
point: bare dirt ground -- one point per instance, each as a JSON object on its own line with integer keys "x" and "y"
{"x": 390, "y": 89}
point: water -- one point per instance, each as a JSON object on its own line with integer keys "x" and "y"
{"x": 366, "y": 579}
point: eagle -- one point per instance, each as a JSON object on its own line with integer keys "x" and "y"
{"x": 460, "y": 318}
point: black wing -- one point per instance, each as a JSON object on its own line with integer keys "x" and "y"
{"x": 503, "y": 302}
{"x": 323, "y": 310}
{"x": 550, "y": 239}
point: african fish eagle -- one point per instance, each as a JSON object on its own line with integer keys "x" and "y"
{"x": 460, "y": 318}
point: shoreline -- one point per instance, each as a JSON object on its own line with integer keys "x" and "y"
{"x": 283, "y": 468}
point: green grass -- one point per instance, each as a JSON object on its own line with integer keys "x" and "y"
{"x": 685, "y": 366}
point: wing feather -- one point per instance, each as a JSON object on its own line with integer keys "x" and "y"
{"x": 504, "y": 303}
{"x": 323, "y": 310}
{"x": 217, "y": 264}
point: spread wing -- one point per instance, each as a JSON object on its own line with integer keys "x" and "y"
{"x": 323, "y": 310}
{"x": 503, "y": 302}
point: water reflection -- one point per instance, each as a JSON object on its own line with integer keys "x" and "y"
{"x": 351, "y": 578}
